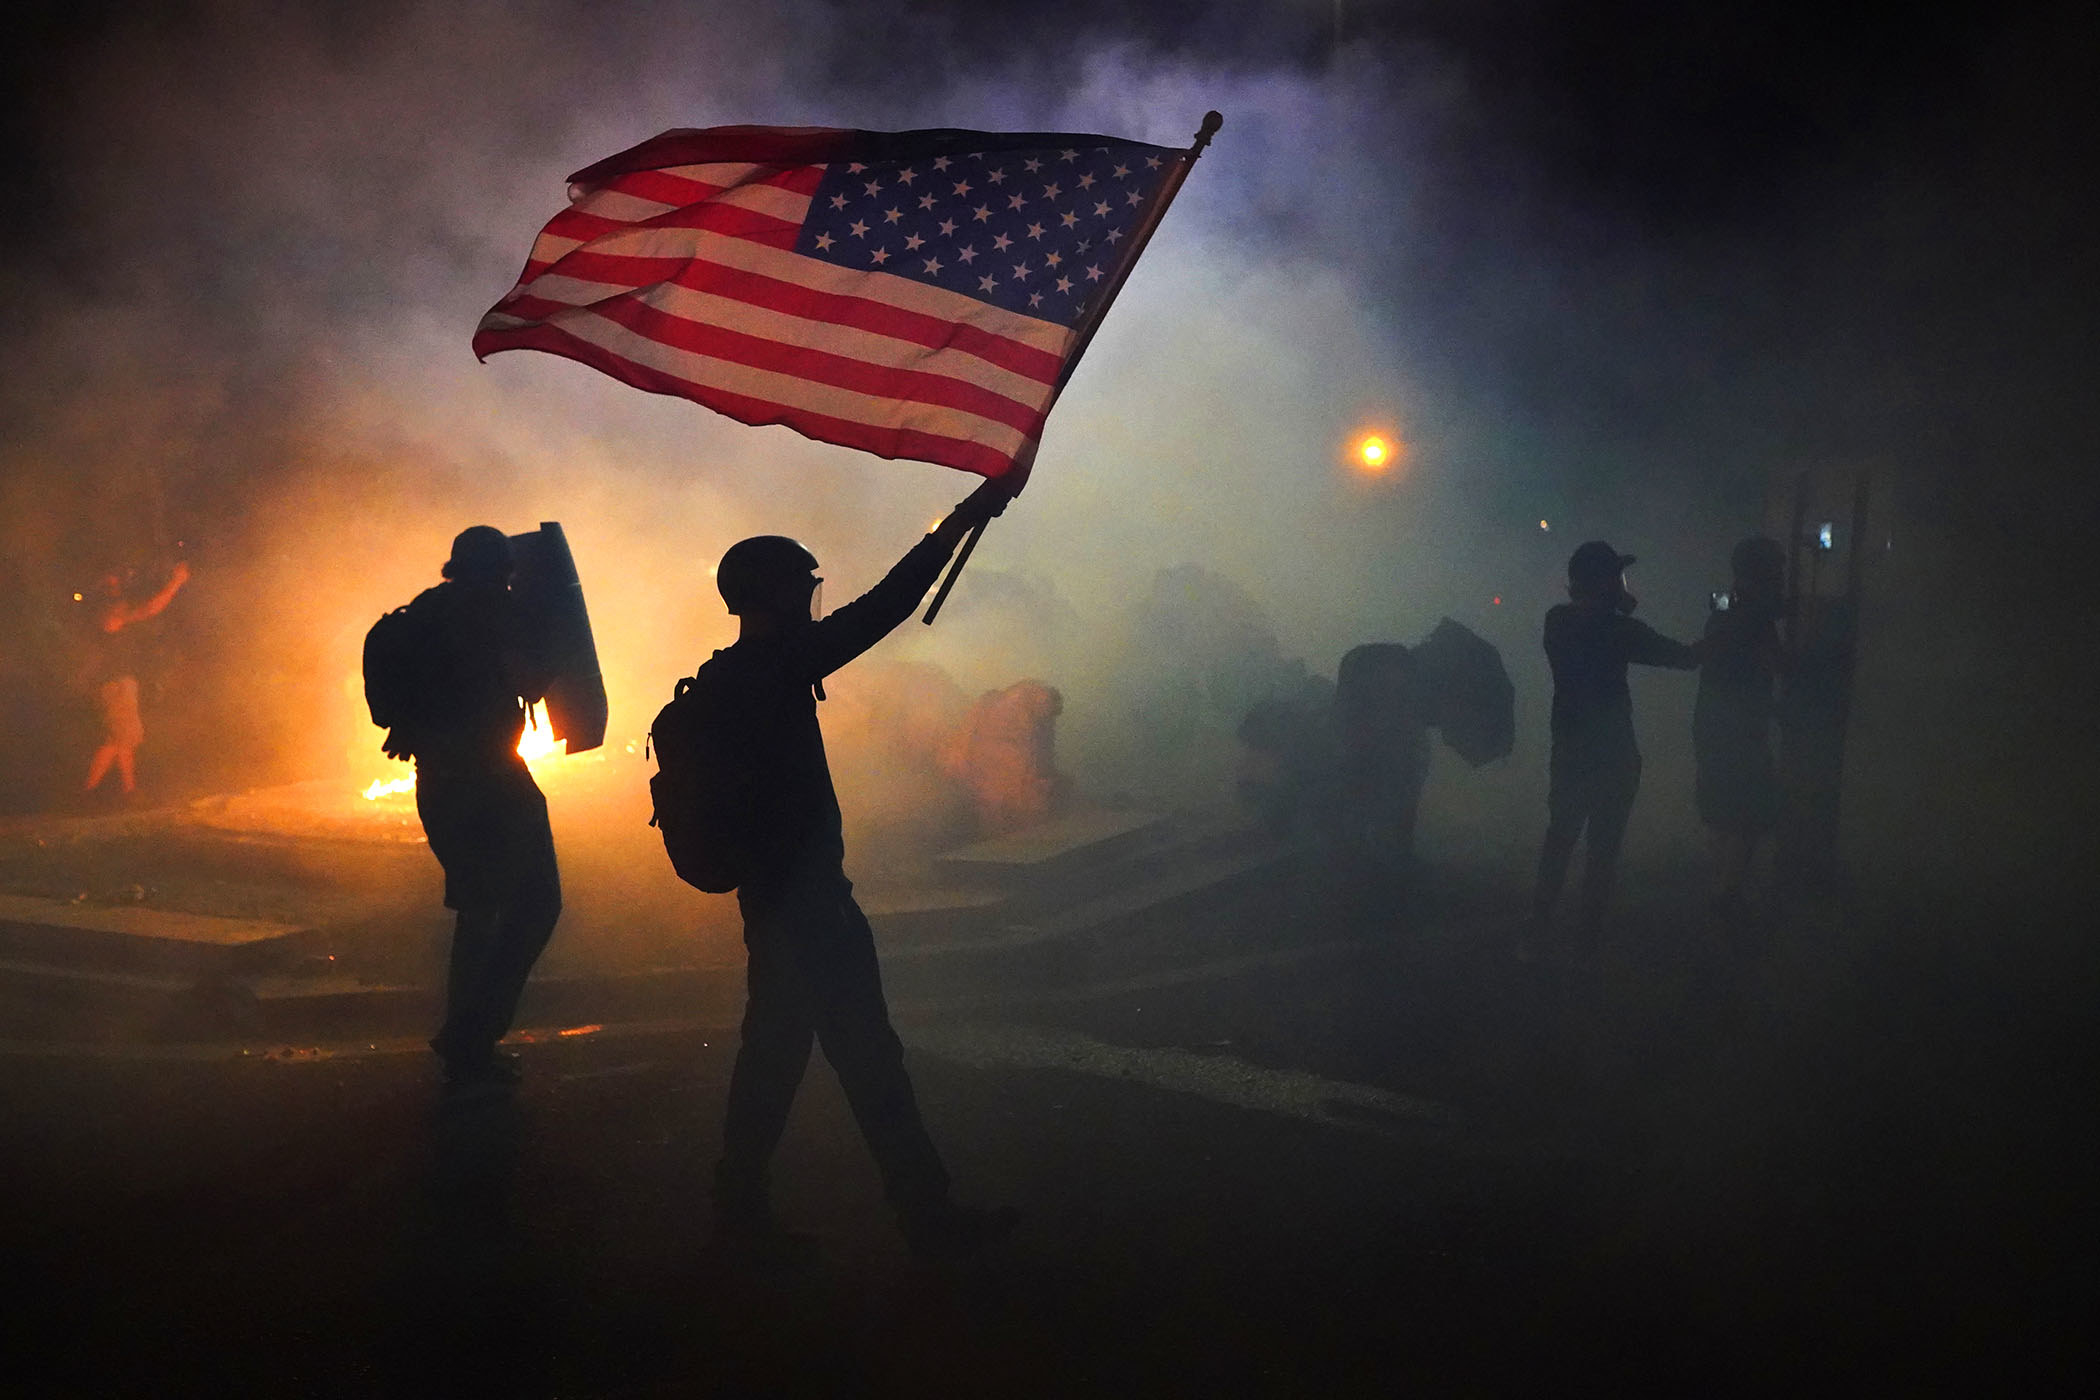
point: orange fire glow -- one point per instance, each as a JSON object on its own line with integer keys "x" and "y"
{"x": 536, "y": 744}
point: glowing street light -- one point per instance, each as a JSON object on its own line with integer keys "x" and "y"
{"x": 1374, "y": 453}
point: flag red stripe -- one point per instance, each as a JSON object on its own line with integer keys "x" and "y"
{"x": 820, "y": 366}
{"x": 671, "y": 187}
{"x": 703, "y": 309}
{"x": 861, "y": 313}
{"x": 892, "y": 442}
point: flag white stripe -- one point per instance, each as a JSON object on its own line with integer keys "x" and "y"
{"x": 869, "y": 347}
{"x": 788, "y": 390}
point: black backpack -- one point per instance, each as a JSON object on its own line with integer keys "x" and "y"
{"x": 398, "y": 666}
{"x": 703, "y": 789}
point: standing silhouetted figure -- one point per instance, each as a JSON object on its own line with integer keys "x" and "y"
{"x": 812, "y": 973}
{"x": 115, "y": 675}
{"x": 484, "y": 815}
{"x": 1596, "y": 765}
{"x": 1738, "y": 783}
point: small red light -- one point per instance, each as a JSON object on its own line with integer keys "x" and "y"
{"x": 1498, "y": 600}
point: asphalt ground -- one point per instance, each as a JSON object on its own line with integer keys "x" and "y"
{"x": 1342, "y": 1152}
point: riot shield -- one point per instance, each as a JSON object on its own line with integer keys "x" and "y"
{"x": 550, "y": 596}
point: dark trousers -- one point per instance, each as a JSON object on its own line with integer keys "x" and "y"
{"x": 489, "y": 831}
{"x": 1592, "y": 795}
{"x": 812, "y": 977}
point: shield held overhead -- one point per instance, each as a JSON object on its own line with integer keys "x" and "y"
{"x": 550, "y": 598}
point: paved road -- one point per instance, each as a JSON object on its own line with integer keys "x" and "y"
{"x": 1291, "y": 1165}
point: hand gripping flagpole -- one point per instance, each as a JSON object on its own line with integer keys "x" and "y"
{"x": 1020, "y": 469}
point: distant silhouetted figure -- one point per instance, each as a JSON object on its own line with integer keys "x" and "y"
{"x": 1004, "y": 755}
{"x": 812, "y": 973}
{"x": 484, "y": 815}
{"x": 115, "y": 675}
{"x": 1382, "y": 714}
{"x": 1738, "y": 782}
{"x": 1596, "y": 765}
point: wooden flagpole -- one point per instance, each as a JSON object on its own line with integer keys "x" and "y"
{"x": 1211, "y": 122}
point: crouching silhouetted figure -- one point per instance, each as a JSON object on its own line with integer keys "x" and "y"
{"x": 812, "y": 974}
{"x": 1381, "y": 720}
{"x": 459, "y": 660}
{"x": 1596, "y": 765}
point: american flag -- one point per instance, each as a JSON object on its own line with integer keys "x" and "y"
{"x": 911, "y": 294}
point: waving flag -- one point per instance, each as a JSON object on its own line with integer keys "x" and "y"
{"x": 912, "y": 294}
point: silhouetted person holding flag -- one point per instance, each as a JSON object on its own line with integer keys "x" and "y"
{"x": 450, "y": 674}
{"x": 1596, "y": 765}
{"x": 812, "y": 973}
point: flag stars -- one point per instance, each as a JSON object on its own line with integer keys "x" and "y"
{"x": 1035, "y": 298}
{"x": 855, "y": 168}
{"x": 1093, "y": 273}
{"x": 1068, "y": 218}
{"x": 1086, "y": 181}
{"x": 1068, "y": 156}
{"x": 1016, "y": 201}
{"x": 873, "y": 187}
{"x": 1053, "y": 258}
{"x": 981, "y": 213}
{"x": 824, "y": 241}
{"x": 967, "y": 254}
{"x": 926, "y": 201}
{"x": 892, "y": 214}
{"x": 942, "y": 162}
{"x": 933, "y": 264}
{"x": 1035, "y": 231}
{"x": 879, "y": 256}
{"x": 1000, "y": 243}
{"x": 1064, "y": 284}
{"x": 1052, "y": 191}
{"x": 912, "y": 243}
{"x": 1152, "y": 162}
{"x": 1020, "y": 272}
{"x": 997, "y": 177}
{"x": 1031, "y": 165}
{"x": 857, "y": 229}
{"x": 907, "y": 175}
{"x": 947, "y": 228}
{"x": 986, "y": 284}
{"x": 1121, "y": 172}
{"x": 1134, "y": 198}
{"x": 838, "y": 201}
{"x": 1112, "y": 235}
{"x": 1101, "y": 210}
{"x": 962, "y": 186}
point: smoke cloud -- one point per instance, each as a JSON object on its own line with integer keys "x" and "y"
{"x": 242, "y": 324}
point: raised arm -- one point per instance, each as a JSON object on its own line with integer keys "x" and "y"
{"x": 834, "y": 640}
{"x": 127, "y": 613}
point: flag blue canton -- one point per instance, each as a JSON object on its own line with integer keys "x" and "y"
{"x": 1037, "y": 232}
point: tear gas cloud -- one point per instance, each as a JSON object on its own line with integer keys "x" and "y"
{"x": 274, "y": 231}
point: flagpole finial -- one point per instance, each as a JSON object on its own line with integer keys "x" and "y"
{"x": 1211, "y": 122}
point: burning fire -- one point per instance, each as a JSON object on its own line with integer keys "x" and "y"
{"x": 538, "y": 742}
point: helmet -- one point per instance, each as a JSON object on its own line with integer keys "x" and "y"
{"x": 753, "y": 570}
{"x": 479, "y": 552}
